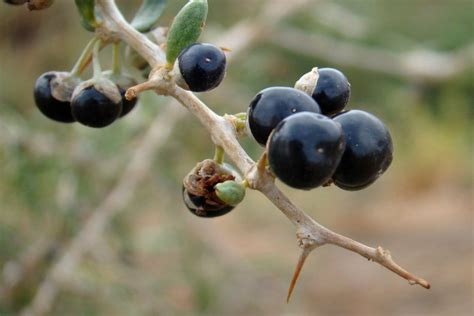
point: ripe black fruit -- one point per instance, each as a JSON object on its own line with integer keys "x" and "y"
{"x": 47, "y": 103}
{"x": 204, "y": 207}
{"x": 332, "y": 91}
{"x": 202, "y": 67}
{"x": 270, "y": 106}
{"x": 96, "y": 104}
{"x": 305, "y": 149}
{"x": 368, "y": 151}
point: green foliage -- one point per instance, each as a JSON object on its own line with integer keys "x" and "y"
{"x": 186, "y": 28}
{"x": 87, "y": 11}
{"x": 148, "y": 15}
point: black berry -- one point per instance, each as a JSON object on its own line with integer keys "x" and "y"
{"x": 96, "y": 104}
{"x": 202, "y": 67}
{"x": 49, "y": 105}
{"x": 270, "y": 106}
{"x": 305, "y": 149}
{"x": 368, "y": 151}
{"x": 332, "y": 91}
{"x": 204, "y": 207}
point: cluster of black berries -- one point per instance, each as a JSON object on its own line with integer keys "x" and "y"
{"x": 311, "y": 141}
{"x": 97, "y": 102}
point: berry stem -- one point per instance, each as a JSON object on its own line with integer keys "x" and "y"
{"x": 96, "y": 61}
{"x": 88, "y": 61}
{"x": 116, "y": 60}
{"x": 84, "y": 58}
{"x": 219, "y": 155}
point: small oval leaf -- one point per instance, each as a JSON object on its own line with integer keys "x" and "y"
{"x": 230, "y": 192}
{"x": 87, "y": 11}
{"x": 186, "y": 28}
{"x": 148, "y": 15}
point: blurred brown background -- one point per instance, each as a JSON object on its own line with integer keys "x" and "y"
{"x": 409, "y": 62}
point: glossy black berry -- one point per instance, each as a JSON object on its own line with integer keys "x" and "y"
{"x": 270, "y": 106}
{"x": 49, "y": 105}
{"x": 305, "y": 149}
{"x": 94, "y": 106}
{"x": 204, "y": 207}
{"x": 368, "y": 150}
{"x": 332, "y": 91}
{"x": 202, "y": 67}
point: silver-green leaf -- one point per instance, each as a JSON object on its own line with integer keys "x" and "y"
{"x": 186, "y": 28}
{"x": 148, "y": 15}
{"x": 87, "y": 11}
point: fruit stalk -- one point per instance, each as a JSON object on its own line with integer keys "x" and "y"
{"x": 84, "y": 58}
{"x": 219, "y": 155}
{"x": 96, "y": 61}
{"x": 116, "y": 62}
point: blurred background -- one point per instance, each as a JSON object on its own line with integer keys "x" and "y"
{"x": 110, "y": 199}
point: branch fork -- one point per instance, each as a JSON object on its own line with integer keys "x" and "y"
{"x": 160, "y": 80}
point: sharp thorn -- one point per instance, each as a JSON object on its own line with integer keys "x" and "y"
{"x": 296, "y": 274}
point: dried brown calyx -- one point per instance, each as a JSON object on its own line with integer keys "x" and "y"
{"x": 202, "y": 179}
